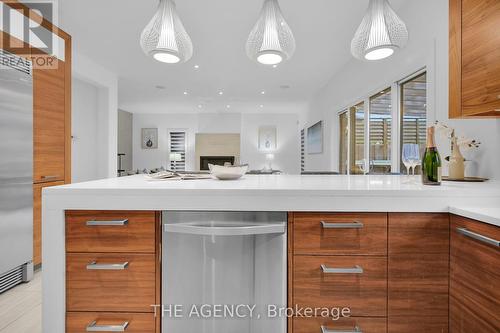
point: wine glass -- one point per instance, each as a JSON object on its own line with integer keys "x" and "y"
{"x": 407, "y": 157}
{"x": 415, "y": 157}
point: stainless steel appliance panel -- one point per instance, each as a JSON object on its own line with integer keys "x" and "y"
{"x": 16, "y": 166}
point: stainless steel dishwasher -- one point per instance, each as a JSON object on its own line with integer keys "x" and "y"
{"x": 224, "y": 271}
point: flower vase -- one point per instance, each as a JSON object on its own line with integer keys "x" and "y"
{"x": 456, "y": 167}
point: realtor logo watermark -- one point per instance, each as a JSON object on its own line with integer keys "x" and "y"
{"x": 24, "y": 31}
{"x": 243, "y": 311}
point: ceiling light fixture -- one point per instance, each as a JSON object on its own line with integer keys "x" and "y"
{"x": 380, "y": 34}
{"x": 165, "y": 38}
{"x": 185, "y": 93}
{"x": 271, "y": 40}
{"x": 263, "y": 92}
{"x": 196, "y": 66}
{"x": 221, "y": 92}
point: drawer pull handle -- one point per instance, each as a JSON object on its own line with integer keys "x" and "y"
{"x": 479, "y": 237}
{"x": 355, "y": 270}
{"x": 107, "y": 267}
{"x": 107, "y": 223}
{"x": 343, "y": 225}
{"x": 93, "y": 327}
{"x": 326, "y": 330}
{"x": 49, "y": 177}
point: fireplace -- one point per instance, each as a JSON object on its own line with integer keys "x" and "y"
{"x": 217, "y": 160}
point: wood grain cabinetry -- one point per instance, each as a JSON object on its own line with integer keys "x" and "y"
{"x": 113, "y": 269}
{"x": 363, "y": 290}
{"x": 49, "y": 123}
{"x": 474, "y": 58}
{"x": 340, "y": 234}
{"x": 390, "y": 269}
{"x": 37, "y": 220}
{"x": 338, "y": 260}
{"x": 418, "y": 272}
{"x": 110, "y": 231}
{"x": 474, "y": 277}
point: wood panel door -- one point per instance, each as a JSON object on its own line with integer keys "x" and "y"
{"x": 37, "y": 220}
{"x": 474, "y": 58}
{"x": 49, "y": 126}
{"x": 474, "y": 277}
{"x": 418, "y": 272}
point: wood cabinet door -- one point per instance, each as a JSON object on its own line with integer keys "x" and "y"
{"x": 480, "y": 57}
{"x": 418, "y": 272}
{"x": 474, "y": 277}
{"x": 37, "y": 220}
{"x": 49, "y": 123}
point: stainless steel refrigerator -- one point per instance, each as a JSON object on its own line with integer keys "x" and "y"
{"x": 16, "y": 171}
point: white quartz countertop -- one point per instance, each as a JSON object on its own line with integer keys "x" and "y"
{"x": 489, "y": 215}
{"x": 274, "y": 193}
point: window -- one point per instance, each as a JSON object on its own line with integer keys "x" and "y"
{"x": 344, "y": 142}
{"x": 367, "y": 130}
{"x": 357, "y": 138}
{"x": 380, "y": 132}
{"x": 177, "y": 151}
{"x": 302, "y": 150}
{"x": 414, "y": 113}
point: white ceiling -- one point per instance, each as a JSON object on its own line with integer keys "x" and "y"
{"x": 108, "y": 32}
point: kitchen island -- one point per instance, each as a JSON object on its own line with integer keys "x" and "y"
{"x": 376, "y": 199}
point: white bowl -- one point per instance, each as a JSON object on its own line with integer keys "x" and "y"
{"x": 228, "y": 172}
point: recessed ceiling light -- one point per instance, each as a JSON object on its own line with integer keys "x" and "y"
{"x": 261, "y": 105}
{"x": 221, "y": 92}
{"x": 274, "y": 66}
{"x": 263, "y": 92}
{"x": 200, "y": 106}
{"x": 196, "y": 66}
{"x": 185, "y": 93}
{"x": 228, "y": 106}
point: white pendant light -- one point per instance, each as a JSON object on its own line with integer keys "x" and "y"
{"x": 380, "y": 34}
{"x": 271, "y": 40}
{"x": 165, "y": 38}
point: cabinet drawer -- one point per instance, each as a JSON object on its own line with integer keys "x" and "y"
{"x": 346, "y": 234}
{"x": 359, "y": 283}
{"x": 474, "y": 275}
{"x": 110, "y": 231}
{"x": 365, "y": 325}
{"x": 77, "y": 322}
{"x": 110, "y": 282}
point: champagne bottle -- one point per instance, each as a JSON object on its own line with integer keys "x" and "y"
{"x": 431, "y": 163}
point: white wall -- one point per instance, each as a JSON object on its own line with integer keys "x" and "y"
{"x": 155, "y": 158}
{"x": 125, "y": 139}
{"x": 287, "y": 156}
{"x": 84, "y": 119}
{"x": 106, "y": 82}
{"x": 427, "y": 47}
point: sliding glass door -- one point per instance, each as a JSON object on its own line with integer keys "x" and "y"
{"x": 357, "y": 139}
{"x": 414, "y": 114}
{"x": 344, "y": 142}
{"x": 369, "y": 130}
{"x": 380, "y": 132}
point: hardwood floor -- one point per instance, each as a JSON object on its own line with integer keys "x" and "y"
{"x": 21, "y": 308}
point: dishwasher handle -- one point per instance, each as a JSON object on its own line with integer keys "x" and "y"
{"x": 225, "y": 228}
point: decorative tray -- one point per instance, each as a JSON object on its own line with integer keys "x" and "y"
{"x": 466, "y": 179}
